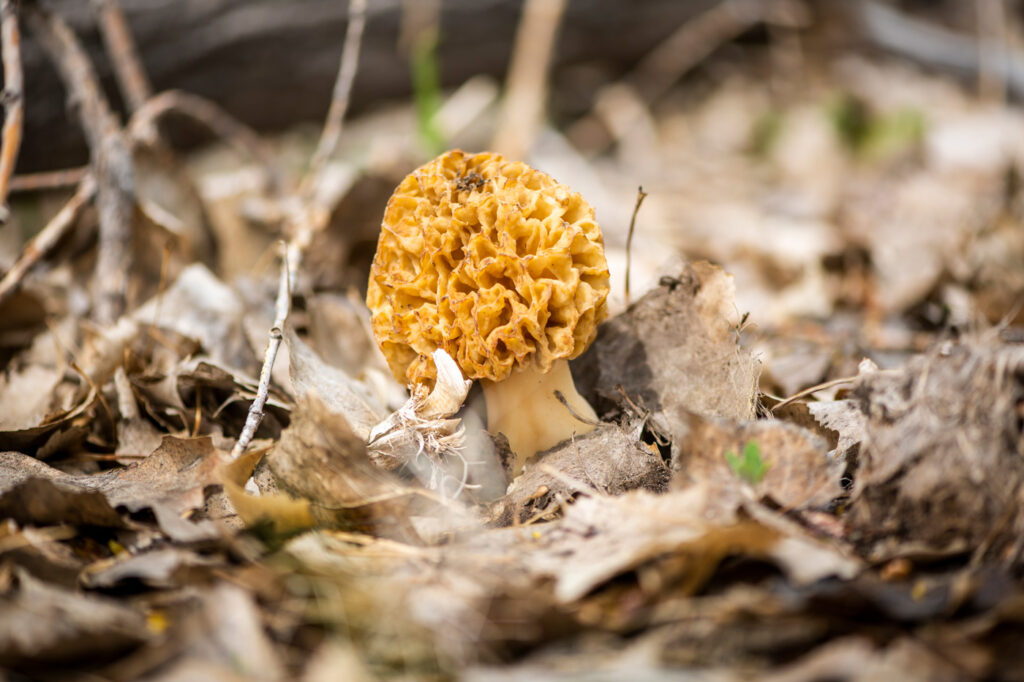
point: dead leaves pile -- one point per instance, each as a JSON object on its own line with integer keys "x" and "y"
{"x": 875, "y": 533}
{"x": 133, "y": 549}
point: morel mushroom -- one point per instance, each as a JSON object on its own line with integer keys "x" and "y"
{"x": 504, "y": 269}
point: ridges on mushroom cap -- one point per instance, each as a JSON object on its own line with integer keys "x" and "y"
{"x": 492, "y": 261}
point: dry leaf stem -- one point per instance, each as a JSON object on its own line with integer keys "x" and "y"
{"x": 640, "y": 196}
{"x": 48, "y": 180}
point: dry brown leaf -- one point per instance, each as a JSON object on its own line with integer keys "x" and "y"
{"x": 160, "y": 568}
{"x": 601, "y": 538}
{"x": 799, "y": 473}
{"x": 674, "y": 351}
{"x": 941, "y": 464}
{"x": 43, "y": 624}
{"x": 606, "y": 461}
{"x": 222, "y": 638}
{"x": 170, "y": 482}
{"x": 199, "y": 306}
{"x": 320, "y": 459}
{"x": 36, "y": 405}
{"x": 342, "y": 395}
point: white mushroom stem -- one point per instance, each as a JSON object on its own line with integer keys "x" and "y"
{"x": 525, "y": 408}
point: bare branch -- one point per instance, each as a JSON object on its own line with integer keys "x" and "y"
{"x": 215, "y": 119}
{"x": 131, "y": 77}
{"x": 282, "y": 308}
{"x": 110, "y": 159}
{"x": 12, "y": 98}
{"x": 45, "y": 240}
{"x": 46, "y": 180}
{"x": 347, "y": 68}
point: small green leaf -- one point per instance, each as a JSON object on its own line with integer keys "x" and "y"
{"x": 751, "y": 467}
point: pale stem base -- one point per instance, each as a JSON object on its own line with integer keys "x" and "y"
{"x": 525, "y": 409}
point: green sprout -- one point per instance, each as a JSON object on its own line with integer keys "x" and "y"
{"x": 426, "y": 85}
{"x": 875, "y": 135}
{"x": 765, "y": 134}
{"x": 751, "y": 467}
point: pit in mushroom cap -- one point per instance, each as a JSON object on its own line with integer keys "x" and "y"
{"x": 503, "y": 268}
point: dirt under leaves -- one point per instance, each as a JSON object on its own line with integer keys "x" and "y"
{"x": 872, "y": 527}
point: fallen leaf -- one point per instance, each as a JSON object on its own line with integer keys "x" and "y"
{"x": 607, "y": 461}
{"x": 340, "y": 394}
{"x": 796, "y": 470}
{"x": 940, "y": 463}
{"x": 170, "y": 482}
{"x": 321, "y": 459}
{"x": 42, "y": 625}
{"x": 674, "y": 351}
{"x": 159, "y": 568}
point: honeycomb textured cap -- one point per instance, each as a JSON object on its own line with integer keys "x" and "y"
{"x": 491, "y": 260}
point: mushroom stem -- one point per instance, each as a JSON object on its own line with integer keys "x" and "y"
{"x": 524, "y": 407}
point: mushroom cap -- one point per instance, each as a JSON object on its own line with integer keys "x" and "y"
{"x": 491, "y": 260}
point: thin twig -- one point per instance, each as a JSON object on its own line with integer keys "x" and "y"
{"x": 304, "y": 217}
{"x": 110, "y": 158}
{"x": 302, "y": 221}
{"x": 282, "y": 308}
{"x": 48, "y": 180}
{"x": 814, "y": 389}
{"x": 215, "y": 119}
{"x": 45, "y": 240}
{"x": 523, "y": 107}
{"x": 131, "y": 77}
{"x": 13, "y": 98}
{"x": 640, "y": 196}
{"x": 347, "y": 68}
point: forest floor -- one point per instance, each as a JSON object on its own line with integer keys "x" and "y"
{"x": 811, "y": 387}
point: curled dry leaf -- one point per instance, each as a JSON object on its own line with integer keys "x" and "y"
{"x": 30, "y": 420}
{"x": 605, "y": 461}
{"x": 33, "y": 493}
{"x": 347, "y": 489}
{"x": 675, "y": 352}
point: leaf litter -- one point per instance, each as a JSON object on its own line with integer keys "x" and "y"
{"x": 859, "y": 251}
